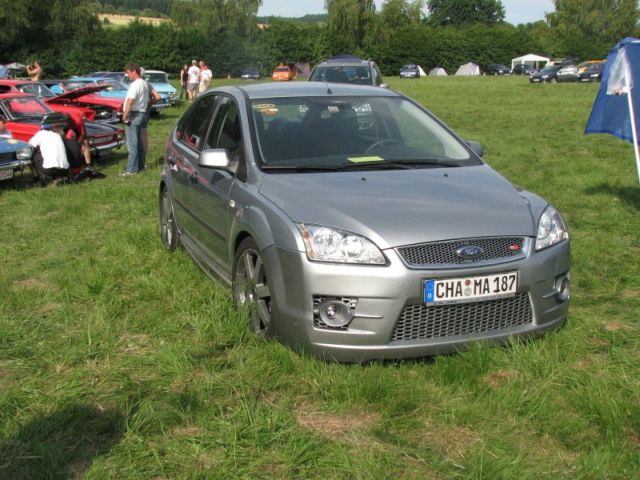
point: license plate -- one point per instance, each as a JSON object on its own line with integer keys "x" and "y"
{"x": 470, "y": 289}
{"x": 6, "y": 174}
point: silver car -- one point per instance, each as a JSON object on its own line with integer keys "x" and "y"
{"x": 355, "y": 225}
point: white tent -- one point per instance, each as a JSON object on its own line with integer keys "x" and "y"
{"x": 468, "y": 70}
{"x": 421, "y": 71}
{"x": 529, "y": 59}
{"x": 438, "y": 72}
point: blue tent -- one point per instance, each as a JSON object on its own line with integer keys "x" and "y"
{"x": 618, "y": 101}
{"x": 3, "y": 72}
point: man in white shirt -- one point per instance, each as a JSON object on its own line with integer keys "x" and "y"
{"x": 52, "y": 156}
{"x": 194, "y": 78}
{"x": 135, "y": 117}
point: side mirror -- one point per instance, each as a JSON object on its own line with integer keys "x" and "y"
{"x": 475, "y": 147}
{"x": 214, "y": 158}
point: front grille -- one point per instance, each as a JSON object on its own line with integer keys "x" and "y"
{"x": 421, "y": 322}
{"x": 7, "y": 157}
{"x": 444, "y": 253}
{"x": 352, "y": 303}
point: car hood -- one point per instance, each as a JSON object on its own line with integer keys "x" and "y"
{"x": 78, "y": 92}
{"x": 404, "y": 207}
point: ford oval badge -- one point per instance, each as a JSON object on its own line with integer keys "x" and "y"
{"x": 469, "y": 252}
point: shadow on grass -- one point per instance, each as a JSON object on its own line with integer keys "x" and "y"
{"x": 60, "y": 445}
{"x": 628, "y": 195}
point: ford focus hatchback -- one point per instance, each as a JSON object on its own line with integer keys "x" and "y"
{"x": 355, "y": 225}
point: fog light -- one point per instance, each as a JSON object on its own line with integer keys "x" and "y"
{"x": 335, "y": 313}
{"x": 563, "y": 289}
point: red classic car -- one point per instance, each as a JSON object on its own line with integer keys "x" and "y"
{"x": 25, "y": 113}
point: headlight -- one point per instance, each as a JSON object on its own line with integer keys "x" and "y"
{"x": 551, "y": 229}
{"x": 325, "y": 244}
{"x": 24, "y": 153}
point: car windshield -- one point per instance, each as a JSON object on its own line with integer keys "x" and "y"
{"x": 552, "y": 69}
{"x": 359, "y": 75}
{"x": 160, "y": 77}
{"x": 327, "y": 133}
{"x": 282, "y": 69}
{"x": 25, "y": 107}
{"x": 36, "y": 88}
{"x": 409, "y": 67}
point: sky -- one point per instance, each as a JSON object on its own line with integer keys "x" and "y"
{"x": 517, "y": 11}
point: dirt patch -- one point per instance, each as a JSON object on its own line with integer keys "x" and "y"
{"x": 135, "y": 343}
{"x": 187, "y": 431}
{"x": 32, "y": 284}
{"x": 452, "y": 441}
{"x": 614, "y": 326}
{"x": 496, "y": 379}
{"x": 631, "y": 293}
{"x": 330, "y": 424}
{"x": 48, "y": 308}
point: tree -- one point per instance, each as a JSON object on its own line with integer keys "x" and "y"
{"x": 397, "y": 14}
{"x": 214, "y": 16}
{"x": 589, "y": 28}
{"x": 350, "y": 24}
{"x": 465, "y": 12}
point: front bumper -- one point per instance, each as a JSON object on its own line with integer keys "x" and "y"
{"x": 382, "y": 294}
{"x": 107, "y": 147}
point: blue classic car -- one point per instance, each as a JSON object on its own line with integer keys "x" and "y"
{"x": 159, "y": 80}
{"x": 14, "y": 156}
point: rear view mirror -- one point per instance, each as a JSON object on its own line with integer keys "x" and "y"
{"x": 475, "y": 147}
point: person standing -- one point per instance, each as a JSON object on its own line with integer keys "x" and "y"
{"x": 194, "y": 78}
{"x": 35, "y": 72}
{"x": 184, "y": 80}
{"x": 205, "y": 77}
{"x": 135, "y": 118}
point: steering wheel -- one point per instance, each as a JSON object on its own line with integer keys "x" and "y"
{"x": 382, "y": 142}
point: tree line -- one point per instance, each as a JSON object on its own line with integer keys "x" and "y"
{"x": 66, "y": 36}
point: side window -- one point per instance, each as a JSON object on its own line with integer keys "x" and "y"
{"x": 4, "y": 89}
{"x": 226, "y": 132}
{"x": 193, "y": 126}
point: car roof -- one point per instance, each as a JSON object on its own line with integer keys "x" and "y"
{"x": 307, "y": 89}
{"x": 154, "y": 71}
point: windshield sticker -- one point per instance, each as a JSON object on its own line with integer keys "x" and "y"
{"x": 365, "y": 159}
{"x": 266, "y": 108}
{"x": 333, "y": 108}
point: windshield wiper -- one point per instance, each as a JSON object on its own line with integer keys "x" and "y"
{"x": 300, "y": 168}
{"x": 398, "y": 164}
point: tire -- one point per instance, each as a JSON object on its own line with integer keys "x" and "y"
{"x": 251, "y": 288}
{"x": 168, "y": 230}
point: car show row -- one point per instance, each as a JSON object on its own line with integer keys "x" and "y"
{"x": 91, "y": 105}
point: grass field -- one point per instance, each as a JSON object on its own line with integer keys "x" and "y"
{"x": 121, "y": 360}
{"x": 117, "y": 21}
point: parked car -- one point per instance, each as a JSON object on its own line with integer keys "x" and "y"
{"x": 347, "y": 69}
{"x": 80, "y": 97}
{"x": 523, "y": 69}
{"x": 113, "y": 94}
{"x": 15, "y": 155}
{"x": 568, "y": 73}
{"x": 497, "y": 69}
{"x": 592, "y": 73}
{"x": 282, "y": 73}
{"x": 159, "y": 80}
{"x": 410, "y": 71}
{"x": 393, "y": 239}
{"x": 250, "y": 73}
{"x": 25, "y": 114}
{"x": 546, "y": 75}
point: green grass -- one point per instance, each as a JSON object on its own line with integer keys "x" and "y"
{"x": 120, "y": 360}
